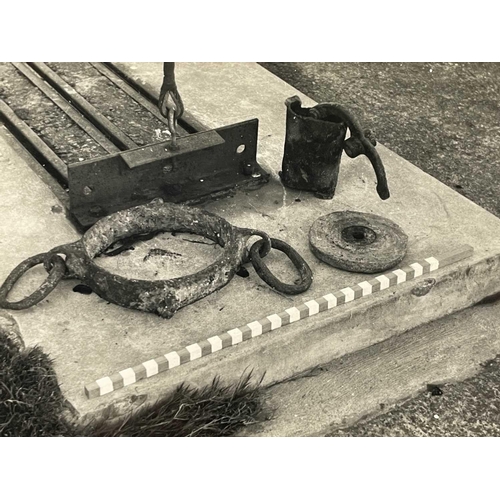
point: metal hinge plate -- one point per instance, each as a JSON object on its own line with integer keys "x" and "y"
{"x": 206, "y": 165}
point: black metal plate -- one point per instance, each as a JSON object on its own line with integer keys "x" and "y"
{"x": 207, "y": 165}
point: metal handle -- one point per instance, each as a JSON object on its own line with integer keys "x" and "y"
{"x": 358, "y": 143}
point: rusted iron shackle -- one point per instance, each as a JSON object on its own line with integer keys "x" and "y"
{"x": 163, "y": 297}
{"x": 315, "y": 138}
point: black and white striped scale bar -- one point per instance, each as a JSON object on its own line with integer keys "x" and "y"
{"x": 232, "y": 337}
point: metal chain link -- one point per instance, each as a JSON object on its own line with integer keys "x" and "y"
{"x": 265, "y": 274}
{"x": 56, "y": 273}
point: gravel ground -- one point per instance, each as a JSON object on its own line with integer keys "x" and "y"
{"x": 470, "y": 408}
{"x": 445, "y": 119}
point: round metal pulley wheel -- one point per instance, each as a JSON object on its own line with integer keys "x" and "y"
{"x": 358, "y": 242}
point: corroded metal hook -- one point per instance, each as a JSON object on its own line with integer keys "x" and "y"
{"x": 358, "y": 143}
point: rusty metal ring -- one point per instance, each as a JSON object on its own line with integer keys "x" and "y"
{"x": 57, "y": 271}
{"x": 265, "y": 274}
{"x": 51, "y": 258}
{"x": 265, "y": 246}
{"x": 266, "y": 242}
{"x": 163, "y": 297}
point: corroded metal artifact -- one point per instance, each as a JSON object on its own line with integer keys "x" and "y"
{"x": 358, "y": 242}
{"x": 163, "y": 297}
{"x": 315, "y": 138}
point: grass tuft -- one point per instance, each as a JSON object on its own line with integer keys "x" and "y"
{"x": 215, "y": 410}
{"x": 31, "y": 404}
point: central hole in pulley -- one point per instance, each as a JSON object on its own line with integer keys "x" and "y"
{"x": 359, "y": 234}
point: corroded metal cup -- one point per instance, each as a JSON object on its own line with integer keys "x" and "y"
{"x": 314, "y": 142}
{"x": 313, "y": 148}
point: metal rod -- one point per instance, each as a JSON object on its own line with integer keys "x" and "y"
{"x": 33, "y": 143}
{"x": 187, "y": 122}
{"x": 235, "y": 336}
{"x": 72, "y": 113}
{"x": 91, "y": 113}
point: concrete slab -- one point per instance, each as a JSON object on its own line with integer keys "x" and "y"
{"x": 372, "y": 381}
{"x": 89, "y": 339}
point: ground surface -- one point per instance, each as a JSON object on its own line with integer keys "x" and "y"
{"x": 469, "y": 408}
{"x": 445, "y": 119}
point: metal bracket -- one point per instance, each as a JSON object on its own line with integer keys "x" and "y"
{"x": 205, "y": 165}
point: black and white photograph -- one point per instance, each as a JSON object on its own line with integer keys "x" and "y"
{"x": 227, "y": 247}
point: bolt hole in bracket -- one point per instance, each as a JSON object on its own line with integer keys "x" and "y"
{"x": 206, "y": 165}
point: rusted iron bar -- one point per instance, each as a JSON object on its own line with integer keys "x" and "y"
{"x": 125, "y": 87}
{"x": 33, "y": 143}
{"x": 187, "y": 121}
{"x": 91, "y": 113}
{"x": 61, "y": 103}
{"x": 35, "y": 164}
{"x": 206, "y": 165}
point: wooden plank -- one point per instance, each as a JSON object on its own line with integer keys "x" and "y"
{"x": 371, "y": 381}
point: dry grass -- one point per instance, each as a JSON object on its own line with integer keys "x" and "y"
{"x": 31, "y": 404}
{"x": 215, "y": 410}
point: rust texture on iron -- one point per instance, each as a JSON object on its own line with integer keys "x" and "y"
{"x": 57, "y": 270}
{"x": 314, "y": 141}
{"x": 163, "y": 297}
{"x": 305, "y": 273}
{"x": 358, "y": 242}
{"x": 204, "y": 166}
{"x": 110, "y": 161}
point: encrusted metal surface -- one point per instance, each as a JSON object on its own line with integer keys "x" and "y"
{"x": 314, "y": 141}
{"x": 301, "y": 285}
{"x": 204, "y": 165}
{"x": 106, "y": 142}
{"x": 163, "y": 296}
{"x": 358, "y": 242}
{"x": 56, "y": 273}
